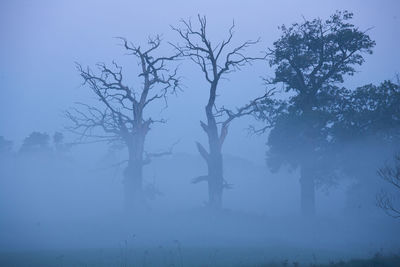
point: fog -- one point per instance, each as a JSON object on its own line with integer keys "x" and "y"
{"x": 98, "y": 197}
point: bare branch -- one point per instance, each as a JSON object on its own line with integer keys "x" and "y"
{"x": 249, "y": 109}
{"x": 391, "y": 174}
{"x": 198, "y": 48}
{"x": 385, "y": 202}
{"x": 203, "y": 178}
{"x": 149, "y": 156}
{"x": 203, "y": 152}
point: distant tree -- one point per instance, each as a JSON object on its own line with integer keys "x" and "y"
{"x": 36, "y": 142}
{"x": 58, "y": 142}
{"x": 310, "y": 59}
{"x": 5, "y": 145}
{"x": 370, "y": 110}
{"x": 367, "y": 130}
{"x": 121, "y": 116}
{"x": 215, "y": 61}
{"x": 58, "y": 138}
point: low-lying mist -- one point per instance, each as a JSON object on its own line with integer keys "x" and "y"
{"x": 60, "y": 201}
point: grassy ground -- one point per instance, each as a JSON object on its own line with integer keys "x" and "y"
{"x": 377, "y": 261}
{"x": 179, "y": 257}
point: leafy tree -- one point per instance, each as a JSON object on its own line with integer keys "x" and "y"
{"x": 58, "y": 138}
{"x": 36, "y": 142}
{"x": 370, "y": 110}
{"x": 367, "y": 131}
{"x": 58, "y": 142}
{"x": 121, "y": 116}
{"x": 311, "y": 59}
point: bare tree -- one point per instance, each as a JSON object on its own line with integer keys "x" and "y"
{"x": 121, "y": 115}
{"x": 215, "y": 62}
{"x": 391, "y": 174}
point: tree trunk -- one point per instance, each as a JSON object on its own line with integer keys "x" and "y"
{"x": 134, "y": 198}
{"x": 216, "y": 180}
{"x": 133, "y": 186}
{"x": 214, "y": 162}
{"x": 307, "y": 192}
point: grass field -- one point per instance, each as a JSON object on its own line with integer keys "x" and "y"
{"x": 177, "y": 255}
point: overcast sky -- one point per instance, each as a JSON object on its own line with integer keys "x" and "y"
{"x": 41, "y": 40}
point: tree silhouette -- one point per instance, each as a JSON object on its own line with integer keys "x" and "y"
{"x": 215, "y": 61}
{"x": 311, "y": 59}
{"x": 121, "y": 115}
{"x": 367, "y": 130}
{"x": 35, "y": 142}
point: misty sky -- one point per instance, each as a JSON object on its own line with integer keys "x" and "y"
{"x": 41, "y": 40}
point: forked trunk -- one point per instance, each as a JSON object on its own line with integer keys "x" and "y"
{"x": 216, "y": 181}
{"x": 214, "y": 162}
